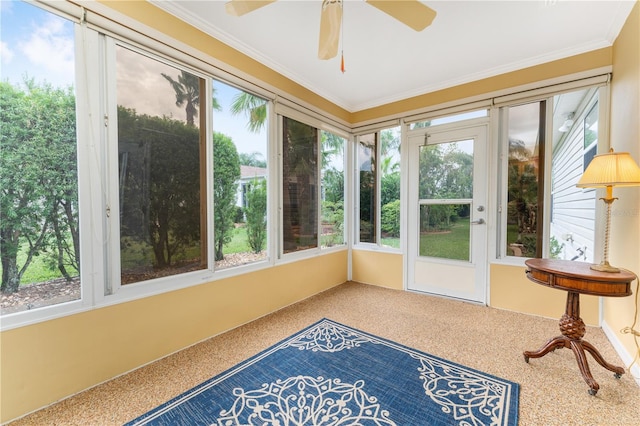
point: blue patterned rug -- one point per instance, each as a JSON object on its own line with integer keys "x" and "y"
{"x": 331, "y": 374}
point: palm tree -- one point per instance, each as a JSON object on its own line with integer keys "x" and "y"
{"x": 187, "y": 90}
{"x": 253, "y": 107}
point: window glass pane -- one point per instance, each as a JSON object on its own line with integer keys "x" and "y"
{"x": 40, "y": 249}
{"x": 300, "y": 186}
{"x": 161, "y": 159}
{"x": 240, "y": 176}
{"x": 332, "y": 190}
{"x": 390, "y": 187}
{"x": 367, "y": 179}
{"x": 449, "y": 119}
{"x": 572, "y": 227}
{"x": 591, "y": 128}
{"x": 523, "y": 211}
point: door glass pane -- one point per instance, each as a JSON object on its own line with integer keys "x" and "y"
{"x": 445, "y": 231}
{"x": 300, "y": 185}
{"x": 162, "y": 169}
{"x": 446, "y": 173}
{"x": 39, "y": 226}
{"x": 367, "y": 177}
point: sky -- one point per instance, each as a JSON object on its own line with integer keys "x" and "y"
{"x": 36, "y": 44}
{"x": 39, "y": 45}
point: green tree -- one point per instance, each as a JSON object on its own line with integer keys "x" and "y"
{"x": 226, "y": 172}
{"x": 256, "y": 213}
{"x": 253, "y": 107}
{"x": 37, "y": 178}
{"x": 389, "y": 188}
{"x": 446, "y": 172}
{"x": 390, "y": 219}
{"x": 159, "y": 185}
{"x": 254, "y": 159}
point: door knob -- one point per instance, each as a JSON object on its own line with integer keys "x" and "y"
{"x": 478, "y": 222}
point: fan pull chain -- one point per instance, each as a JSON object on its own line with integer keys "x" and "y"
{"x": 342, "y": 38}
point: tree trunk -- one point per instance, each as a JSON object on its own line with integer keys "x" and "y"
{"x": 75, "y": 234}
{"x": 10, "y": 273}
{"x": 59, "y": 242}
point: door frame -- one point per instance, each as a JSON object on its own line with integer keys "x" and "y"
{"x": 470, "y": 129}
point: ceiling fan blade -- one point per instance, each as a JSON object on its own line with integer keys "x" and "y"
{"x": 330, "y": 23}
{"x": 241, "y": 7}
{"x": 410, "y": 12}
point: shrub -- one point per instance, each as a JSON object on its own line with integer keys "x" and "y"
{"x": 390, "y": 218}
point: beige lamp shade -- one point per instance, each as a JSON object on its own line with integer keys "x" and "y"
{"x": 611, "y": 169}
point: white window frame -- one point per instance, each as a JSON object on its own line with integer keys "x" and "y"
{"x": 284, "y": 110}
{"x": 545, "y": 94}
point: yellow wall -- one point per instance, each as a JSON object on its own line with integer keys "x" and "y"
{"x": 625, "y": 136}
{"x": 45, "y": 362}
{"x": 512, "y": 290}
{"x": 573, "y": 64}
{"x": 377, "y": 268}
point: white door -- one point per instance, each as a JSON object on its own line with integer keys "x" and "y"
{"x": 447, "y": 212}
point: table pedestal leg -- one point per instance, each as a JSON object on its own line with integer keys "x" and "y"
{"x": 573, "y": 329}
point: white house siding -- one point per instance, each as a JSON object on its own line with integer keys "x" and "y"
{"x": 248, "y": 174}
{"x": 573, "y": 215}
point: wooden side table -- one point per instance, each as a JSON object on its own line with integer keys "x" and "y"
{"x": 577, "y": 278}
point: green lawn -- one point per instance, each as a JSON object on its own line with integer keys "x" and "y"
{"x": 40, "y": 269}
{"x": 447, "y": 245}
{"x": 238, "y": 243}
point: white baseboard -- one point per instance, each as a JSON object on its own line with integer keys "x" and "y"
{"x": 621, "y": 350}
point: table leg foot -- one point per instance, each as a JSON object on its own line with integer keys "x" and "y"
{"x": 619, "y": 371}
{"x": 578, "y": 351}
{"x": 550, "y": 346}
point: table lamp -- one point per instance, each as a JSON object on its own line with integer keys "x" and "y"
{"x": 609, "y": 170}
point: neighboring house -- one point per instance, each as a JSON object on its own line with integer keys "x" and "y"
{"x": 248, "y": 174}
{"x": 573, "y": 210}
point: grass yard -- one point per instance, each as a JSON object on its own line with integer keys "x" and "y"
{"x": 40, "y": 269}
{"x": 453, "y": 244}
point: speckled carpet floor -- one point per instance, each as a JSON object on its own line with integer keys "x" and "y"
{"x": 552, "y": 391}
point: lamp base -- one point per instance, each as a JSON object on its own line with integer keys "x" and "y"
{"x": 604, "y": 267}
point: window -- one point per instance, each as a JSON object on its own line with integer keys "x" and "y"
{"x": 332, "y": 174}
{"x": 299, "y": 186}
{"x": 40, "y": 233}
{"x": 161, "y": 167}
{"x": 449, "y": 119}
{"x": 572, "y": 230}
{"x": 367, "y": 179}
{"x": 546, "y": 215}
{"x": 378, "y": 178}
{"x": 590, "y": 136}
{"x": 524, "y": 176}
{"x": 240, "y": 176}
{"x": 389, "y": 205}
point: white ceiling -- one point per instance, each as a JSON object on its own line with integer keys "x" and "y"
{"x": 386, "y": 61}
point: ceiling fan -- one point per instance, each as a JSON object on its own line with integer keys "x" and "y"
{"x": 412, "y": 13}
